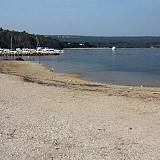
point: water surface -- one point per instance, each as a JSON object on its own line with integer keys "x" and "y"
{"x": 124, "y": 66}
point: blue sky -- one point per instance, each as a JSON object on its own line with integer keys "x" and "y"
{"x": 82, "y": 17}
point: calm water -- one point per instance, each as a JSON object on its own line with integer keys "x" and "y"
{"x": 124, "y": 66}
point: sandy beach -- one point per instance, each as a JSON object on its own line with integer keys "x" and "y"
{"x": 46, "y": 115}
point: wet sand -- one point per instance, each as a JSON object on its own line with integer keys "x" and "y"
{"x": 48, "y": 115}
{"x": 38, "y": 73}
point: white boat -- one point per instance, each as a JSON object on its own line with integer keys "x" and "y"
{"x": 58, "y": 51}
{"x": 113, "y": 48}
{"x": 50, "y": 51}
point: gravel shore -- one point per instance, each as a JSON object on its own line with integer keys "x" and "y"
{"x": 55, "y": 118}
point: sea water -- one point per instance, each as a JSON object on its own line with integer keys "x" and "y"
{"x": 122, "y": 66}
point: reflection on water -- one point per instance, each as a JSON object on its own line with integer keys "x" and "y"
{"x": 124, "y": 66}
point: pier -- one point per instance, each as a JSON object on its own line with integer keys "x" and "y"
{"x": 30, "y": 52}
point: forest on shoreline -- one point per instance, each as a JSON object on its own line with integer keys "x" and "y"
{"x": 26, "y": 40}
{"x": 71, "y": 41}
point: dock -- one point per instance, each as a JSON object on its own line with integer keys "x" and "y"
{"x": 29, "y": 52}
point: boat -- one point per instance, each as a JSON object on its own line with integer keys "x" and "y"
{"x": 113, "y": 48}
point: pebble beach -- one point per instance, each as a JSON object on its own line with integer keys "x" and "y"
{"x": 46, "y": 115}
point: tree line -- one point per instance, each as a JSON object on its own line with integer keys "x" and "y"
{"x": 26, "y": 40}
{"x": 119, "y": 42}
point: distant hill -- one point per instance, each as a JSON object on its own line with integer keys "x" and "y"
{"x": 121, "y": 42}
{"x": 26, "y": 40}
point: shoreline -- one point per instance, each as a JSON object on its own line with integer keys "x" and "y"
{"x": 39, "y": 53}
{"x": 111, "y": 48}
{"x": 88, "y": 48}
{"x": 41, "y": 74}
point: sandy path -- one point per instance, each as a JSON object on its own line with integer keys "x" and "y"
{"x": 47, "y": 122}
